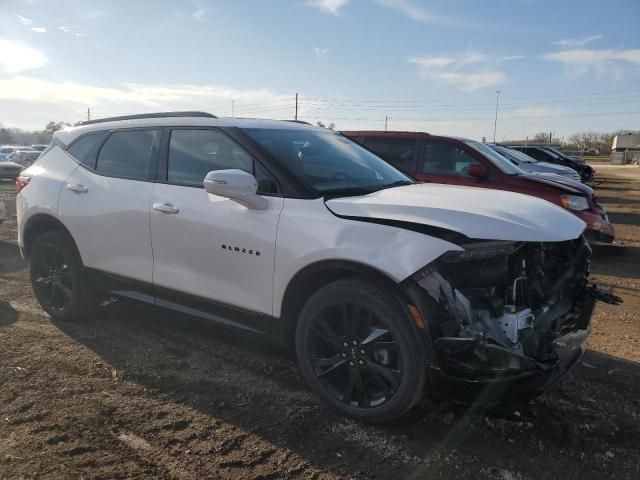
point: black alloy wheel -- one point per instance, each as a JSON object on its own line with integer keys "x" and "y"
{"x": 58, "y": 277}
{"x": 51, "y": 275}
{"x": 358, "y": 350}
{"x": 354, "y": 354}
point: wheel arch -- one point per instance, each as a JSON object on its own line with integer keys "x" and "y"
{"x": 39, "y": 224}
{"x": 315, "y": 276}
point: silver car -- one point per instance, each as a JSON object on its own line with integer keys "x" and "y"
{"x": 531, "y": 165}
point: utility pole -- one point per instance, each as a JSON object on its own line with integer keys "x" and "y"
{"x": 88, "y": 113}
{"x": 296, "y": 117}
{"x": 495, "y": 122}
{"x": 386, "y": 121}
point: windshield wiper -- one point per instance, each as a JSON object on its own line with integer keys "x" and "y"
{"x": 354, "y": 191}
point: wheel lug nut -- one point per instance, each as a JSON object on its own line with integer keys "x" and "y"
{"x": 360, "y": 362}
{"x": 344, "y": 355}
{"x": 351, "y": 364}
{"x": 354, "y": 343}
{"x": 345, "y": 344}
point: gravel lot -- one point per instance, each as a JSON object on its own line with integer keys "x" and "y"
{"x": 139, "y": 393}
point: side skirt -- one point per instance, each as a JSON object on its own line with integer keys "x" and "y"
{"x": 220, "y": 313}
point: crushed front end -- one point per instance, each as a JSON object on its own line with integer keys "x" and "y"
{"x": 505, "y": 317}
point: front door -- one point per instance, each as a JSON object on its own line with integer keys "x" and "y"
{"x": 206, "y": 246}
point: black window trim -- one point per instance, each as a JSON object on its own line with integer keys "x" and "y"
{"x": 462, "y": 146}
{"x": 95, "y": 152}
{"x": 162, "y": 173}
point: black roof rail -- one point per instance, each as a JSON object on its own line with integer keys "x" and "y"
{"x": 148, "y": 115}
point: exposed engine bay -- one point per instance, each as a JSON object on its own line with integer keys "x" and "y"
{"x": 504, "y": 308}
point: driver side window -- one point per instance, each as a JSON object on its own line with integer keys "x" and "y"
{"x": 195, "y": 152}
{"x": 441, "y": 158}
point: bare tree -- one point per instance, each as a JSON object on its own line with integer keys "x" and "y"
{"x": 331, "y": 126}
{"x": 540, "y": 137}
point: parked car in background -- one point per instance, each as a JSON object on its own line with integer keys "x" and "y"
{"x": 531, "y": 165}
{"x": 24, "y": 156}
{"x": 7, "y": 150}
{"x": 3, "y": 211}
{"x": 459, "y": 161}
{"x": 9, "y": 170}
{"x": 545, "y": 154}
{"x": 39, "y": 147}
{"x": 382, "y": 283}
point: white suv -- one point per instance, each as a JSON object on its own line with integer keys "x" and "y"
{"x": 387, "y": 288}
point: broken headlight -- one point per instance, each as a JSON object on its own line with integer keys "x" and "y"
{"x": 481, "y": 251}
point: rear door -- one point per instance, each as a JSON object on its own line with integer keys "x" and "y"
{"x": 105, "y": 201}
{"x": 209, "y": 247}
{"x": 446, "y": 162}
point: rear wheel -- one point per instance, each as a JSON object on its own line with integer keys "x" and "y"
{"x": 57, "y": 277}
{"x": 357, "y": 351}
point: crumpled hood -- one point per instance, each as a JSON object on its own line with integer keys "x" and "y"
{"x": 478, "y": 213}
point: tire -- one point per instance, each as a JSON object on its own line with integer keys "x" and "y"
{"x": 349, "y": 361}
{"x": 58, "y": 278}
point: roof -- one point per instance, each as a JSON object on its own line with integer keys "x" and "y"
{"x": 383, "y": 133}
{"x": 67, "y": 135}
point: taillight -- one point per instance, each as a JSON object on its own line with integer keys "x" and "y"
{"x": 21, "y": 182}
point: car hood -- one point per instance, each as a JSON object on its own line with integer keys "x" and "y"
{"x": 545, "y": 167}
{"x": 561, "y": 183}
{"x": 478, "y": 213}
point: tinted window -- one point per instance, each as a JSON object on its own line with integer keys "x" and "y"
{"x": 495, "y": 158}
{"x": 440, "y": 158}
{"x": 325, "y": 161}
{"x": 398, "y": 151}
{"x": 127, "y": 154}
{"x": 81, "y": 148}
{"x": 194, "y": 153}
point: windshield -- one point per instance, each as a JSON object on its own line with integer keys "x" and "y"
{"x": 515, "y": 154}
{"x": 328, "y": 162}
{"x": 494, "y": 157}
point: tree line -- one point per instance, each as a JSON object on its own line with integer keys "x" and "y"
{"x": 19, "y": 136}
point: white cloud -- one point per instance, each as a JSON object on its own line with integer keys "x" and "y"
{"x": 320, "y": 52}
{"x": 422, "y": 14}
{"x": 39, "y": 29}
{"x": 536, "y": 111}
{"x": 468, "y": 71}
{"x": 328, "y": 6}
{"x": 62, "y": 28}
{"x": 23, "y": 20}
{"x": 578, "y": 42}
{"x": 131, "y": 97}
{"x": 17, "y": 57}
{"x": 581, "y": 61}
{"x": 408, "y": 8}
{"x": 201, "y": 14}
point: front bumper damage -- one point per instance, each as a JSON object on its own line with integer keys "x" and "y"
{"x": 504, "y": 318}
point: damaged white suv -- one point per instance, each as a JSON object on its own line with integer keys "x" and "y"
{"x": 387, "y": 288}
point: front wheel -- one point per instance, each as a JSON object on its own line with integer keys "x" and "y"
{"x": 57, "y": 277}
{"x": 357, "y": 350}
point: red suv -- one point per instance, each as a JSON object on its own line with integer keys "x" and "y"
{"x": 460, "y": 161}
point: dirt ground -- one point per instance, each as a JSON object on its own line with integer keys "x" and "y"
{"x": 139, "y": 393}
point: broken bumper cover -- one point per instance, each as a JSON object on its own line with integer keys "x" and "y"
{"x": 490, "y": 381}
{"x": 481, "y": 348}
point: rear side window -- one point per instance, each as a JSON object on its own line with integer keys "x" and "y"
{"x": 127, "y": 154}
{"x": 399, "y": 151}
{"x": 441, "y": 158}
{"x": 82, "y": 148}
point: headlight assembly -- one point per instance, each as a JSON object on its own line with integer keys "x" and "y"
{"x": 575, "y": 202}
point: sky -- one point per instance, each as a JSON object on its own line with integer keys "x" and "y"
{"x": 561, "y": 66}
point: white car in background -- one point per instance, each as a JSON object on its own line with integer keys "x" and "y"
{"x": 3, "y": 211}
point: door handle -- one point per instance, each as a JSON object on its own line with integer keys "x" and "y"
{"x": 77, "y": 188}
{"x": 165, "y": 208}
